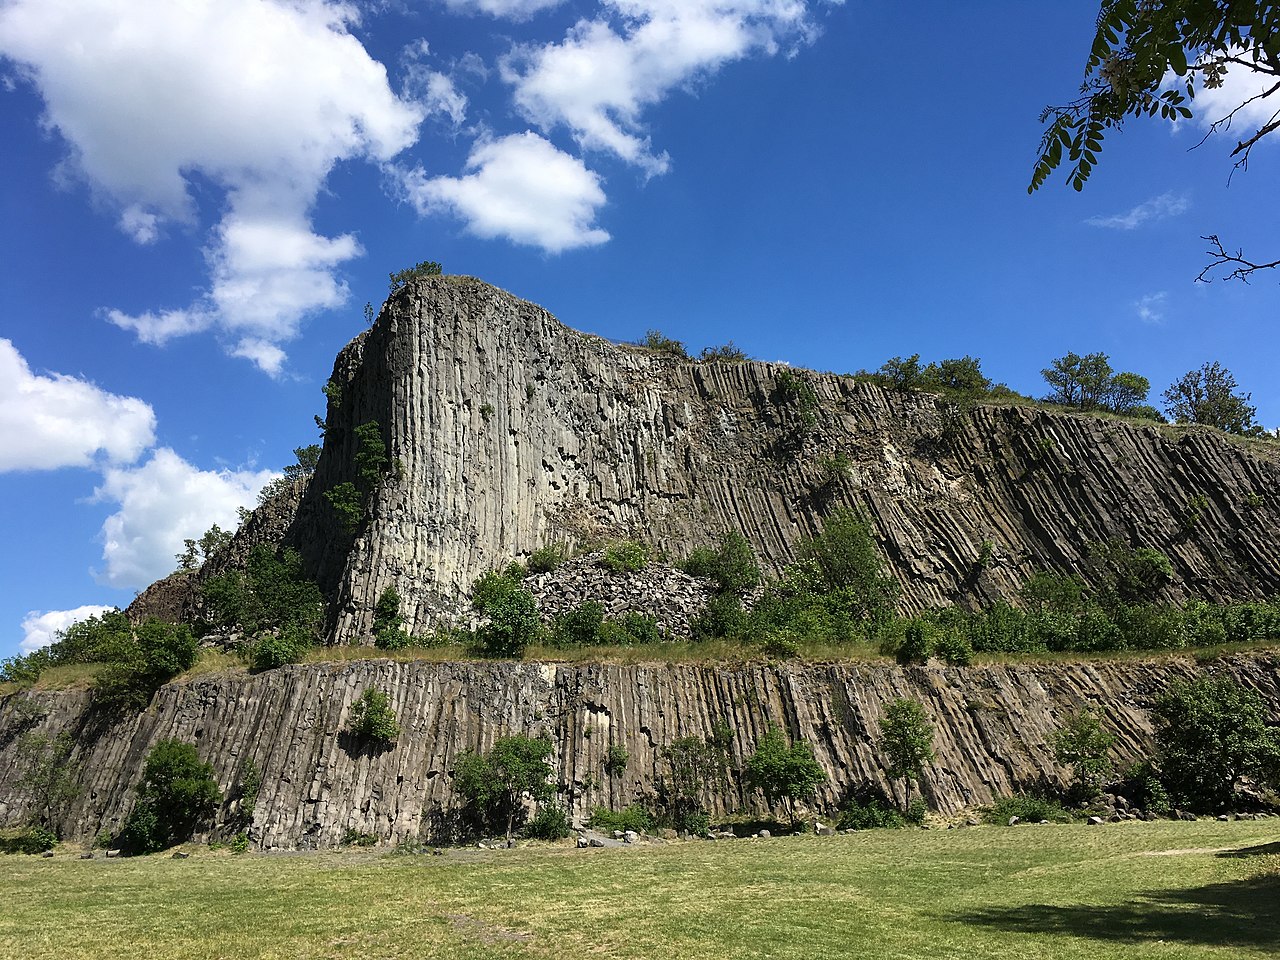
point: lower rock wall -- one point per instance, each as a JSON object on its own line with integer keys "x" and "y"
{"x": 992, "y": 724}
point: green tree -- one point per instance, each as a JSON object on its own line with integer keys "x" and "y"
{"x": 1149, "y": 58}
{"x": 511, "y": 612}
{"x": 427, "y": 268}
{"x": 1082, "y": 743}
{"x": 963, "y": 376}
{"x": 157, "y": 652}
{"x": 494, "y": 783}
{"x": 843, "y": 562}
{"x": 783, "y": 771}
{"x": 1210, "y": 734}
{"x": 1089, "y": 383}
{"x": 373, "y": 718}
{"x": 693, "y": 764}
{"x": 47, "y": 776}
{"x": 731, "y": 565}
{"x": 906, "y": 744}
{"x": 176, "y": 795}
{"x": 196, "y": 552}
{"x": 1209, "y": 396}
{"x": 903, "y": 373}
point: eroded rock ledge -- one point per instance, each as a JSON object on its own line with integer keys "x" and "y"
{"x": 992, "y": 727}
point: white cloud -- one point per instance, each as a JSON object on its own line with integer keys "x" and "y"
{"x": 42, "y": 628}
{"x": 261, "y": 97}
{"x": 54, "y": 420}
{"x": 1150, "y": 308}
{"x": 161, "y": 503}
{"x": 1238, "y": 85}
{"x": 599, "y": 79}
{"x": 434, "y": 91}
{"x": 521, "y": 188}
{"x": 508, "y": 9}
{"x": 1157, "y": 208}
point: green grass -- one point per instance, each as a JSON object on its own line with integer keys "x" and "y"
{"x": 1134, "y": 890}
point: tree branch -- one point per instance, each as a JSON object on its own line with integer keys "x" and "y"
{"x": 1221, "y": 258}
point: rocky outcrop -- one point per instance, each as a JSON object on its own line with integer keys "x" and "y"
{"x": 992, "y": 725}
{"x": 506, "y": 431}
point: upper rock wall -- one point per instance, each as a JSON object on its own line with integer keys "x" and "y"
{"x": 509, "y": 431}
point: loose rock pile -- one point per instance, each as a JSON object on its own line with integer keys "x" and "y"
{"x": 672, "y": 597}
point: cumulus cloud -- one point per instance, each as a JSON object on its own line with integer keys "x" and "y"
{"x": 55, "y": 420}
{"x": 506, "y": 9}
{"x": 261, "y": 97}
{"x": 1240, "y": 86}
{"x": 1157, "y": 208}
{"x": 1150, "y": 308}
{"x": 598, "y": 80}
{"x": 435, "y": 91}
{"x": 161, "y": 503}
{"x": 39, "y": 629}
{"x": 519, "y": 187}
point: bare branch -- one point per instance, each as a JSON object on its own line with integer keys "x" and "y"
{"x": 1242, "y": 268}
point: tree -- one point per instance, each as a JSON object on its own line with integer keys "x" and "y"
{"x": 842, "y": 561}
{"x": 176, "y": 795}
{"x": 372, "y": 717}
{"x": 907, "y": 744}
{"x": 427, "y": 268}
{"x": 49, "y": 777}
{"x": 494, "y": 783}
{"x": 512, "y": 612}
{"x": 782, "y": 771}
{"x": 196, "y": 552}
{"x": 1209, "y": 396}
{"x": 1138, "y": 48}
{"x": 1082, "y": 744}
{"x": 903, "y": 373}
{"x": 1210, "y": 734}
{"x": 693, "y": 763}
{"x": 1089, "y": 383}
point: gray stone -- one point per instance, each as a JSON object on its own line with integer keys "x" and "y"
{"x": 825, "y": 831}
{"x": 764, "y": 835}
{"x": 1094, "y": 821}
{"x": 630, "y": 836}
{"x": 47, "y": 853}
{"x": 113, "y": 853}
{"x": 1014, "y": 820}
{"x": 180, "y": 855}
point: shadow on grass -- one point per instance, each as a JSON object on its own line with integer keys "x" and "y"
{"x": 1241, "y": 913}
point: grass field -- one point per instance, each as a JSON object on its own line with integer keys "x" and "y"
{"x": 1141, "y": 890}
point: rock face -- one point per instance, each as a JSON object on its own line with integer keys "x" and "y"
{"x": 992, "y": 725}
{"x": 507, "y": 431}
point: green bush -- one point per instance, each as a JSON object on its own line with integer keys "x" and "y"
{"x": 512, "y": 612}
{"x": 722, "y": 617}
{"x": 392, "y": 639}
{"x": 632, "y": 629}
{"x": 347, "y": 504}
{"x": 372, "y": 717}
{"x": 783, "y": 771}
{"x": 493, "y": 784}
{"x": 1027, "y": 808}
{"x": 870, "y": 814}
{"x": 1083, "y": 744}
{"x": 954, "y": 648}
{"x": 29, "y": 839}
{"x": 546, "y": 559}
{"x": 726, "y": 353}
{"x": 915, "y": 646}
{"x": 627, "y": 556}
{"x": 731, "y": 565}
{"x": 615, "y": 760}
{"x": 635, "y": 817}
{"x": 272, "y": 650}
{"x": 842, "y": 562}
{"x": 270, "y": 593}
{"x": 655, "y": 341}
{"x": 1140, "y": 785}
{"x": 399, "y": 279}
{"x": 580, "y": 627}
{"x": 549, "y": 823}
{"x": 159, "y": 651}
{"x": 357, "y": 838}
{"x": 176, "y": 794}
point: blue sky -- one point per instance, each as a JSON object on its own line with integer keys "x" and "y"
{"x": 198, "y": 198}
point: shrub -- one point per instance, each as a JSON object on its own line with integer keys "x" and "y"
{"x": 388, "y": 632}
{"x": 635, "y": 817}
{"x": 954, "y": 648}
{"x": 393, "y": 639}
{"x": 782, "y": 771}
{"x": 915, "y": 645}
{"x": 347, "y": 503}
{"x": 492, "y": 783}
{"x": 372, "y": 717}
{"x": 694, "y": 764}
{"x": 47, "y": 776}
{"x": 731, "y": 565}
{"x": 655, "y": 341}
{"x": 159, "y": 652}
{"x": 582, "y": 626}
{"x": 546, "y": 559}
{"x": 1210, "y": 733}
{"x": 1140, "y": 785}
{"x": 272, "y": 650}
{"x": 1029, "y": 809}
{"x": 615, "y": 760}
{"x": 357, "y": 838}
{"x": 870, "y": 814}
{"x": 723, "y": 616}
{"x": 512, "y": 613}
{"x": 427, "y": 268}
{"x": 727, "y": 353}
{"x": 30, "y": 839}
{"x": 270, "y": 593}
{"x": 907, "y": 743}
{"x": 626, "y": 556}
{"x": 842, "y": 561}
{"x": 632, "y": 629}
{"x": 176, "y": 794}
{"x": 1082, "y": 743}
{"x": 549, "y": 823}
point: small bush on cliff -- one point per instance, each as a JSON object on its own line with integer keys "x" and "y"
{"x": 372, "y": 717}
{"x": 493, "y": 783}
{"x": 176, "y": 795}
{"x": 47, "y": 777}
{"x": 783, "y": 771}
{"x": 658, "y": 343}
{"x": 626, "y": 556}
{"x": 731, "y": 565}
{"x": 427, "y": 268}
{"x": 157, "y": 653}
{"x": 512, "y": 616}
{"x": 273, "y": 650}
{"x": 546, "y": 559}
{"x": 582, "y": 626}
{"x": 270, "y": 593}
{"x": 388, "y": 624}
{"x": 549, "y": 823}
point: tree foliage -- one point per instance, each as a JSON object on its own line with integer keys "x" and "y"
{"x": 196, "y": 552}
{"x": 1210, "y": 396}
{"x": 373, "y": 718}
{"x": 906, "y": 743}
{"x": 693, "y": 765}
{"x": 783, "y": 771}
{"x": 842, "y": 561}
{"x": 493, "y": 783}
{"x": 47, "y": 776}
{"x": 511, "y": 612}
{"x": 1211, "y": 733}
{"x": 1089, "y": 383}
{"x": 401, "y": 278}
{"x": 176, "y": 795}
{"x": 271, "y": 593}
{"x": 731, "y": 565}
{"x": 1082, "y": 743}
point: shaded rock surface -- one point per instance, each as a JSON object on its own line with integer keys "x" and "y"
{"x": 992, "y": 724}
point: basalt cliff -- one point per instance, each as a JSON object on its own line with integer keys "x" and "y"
{"x": 505, "y": 431}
